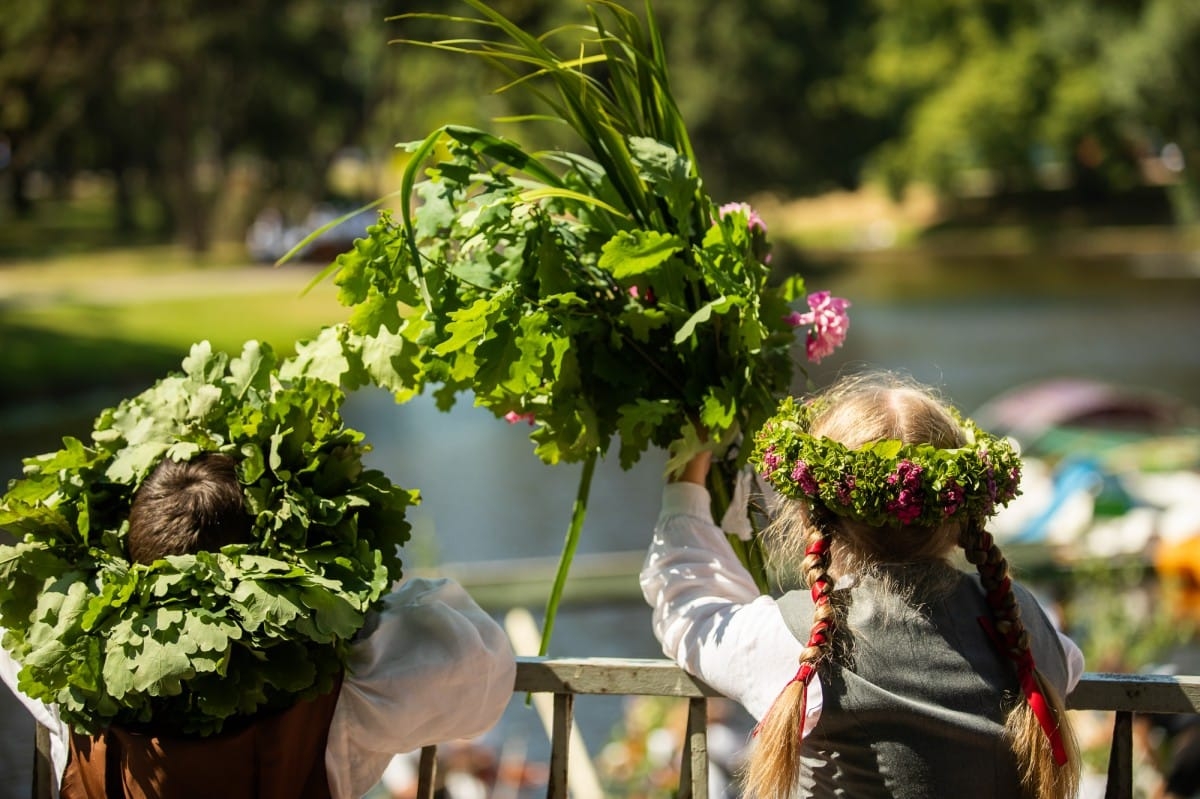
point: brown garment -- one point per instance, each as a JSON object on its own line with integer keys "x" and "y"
{"x": 280, "y": 756}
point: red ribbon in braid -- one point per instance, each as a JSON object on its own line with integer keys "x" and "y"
{"x": 1023, "y": 658}
{"x": 819, "y": 636}
{"x": 820, "y": 631}
{"x": 1000, "y": 597}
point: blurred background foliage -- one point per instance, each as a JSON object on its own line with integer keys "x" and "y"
{"x": 972, "y": 172}
{"x": 187, "y": 118}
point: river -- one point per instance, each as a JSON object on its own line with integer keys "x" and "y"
{"x": 972, "y": 326}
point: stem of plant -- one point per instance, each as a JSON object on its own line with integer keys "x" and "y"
{"x": 748, "y": 552}
{"x": 578, "y": 514}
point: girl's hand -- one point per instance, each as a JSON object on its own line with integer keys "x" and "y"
{"x": 696, "y": 470}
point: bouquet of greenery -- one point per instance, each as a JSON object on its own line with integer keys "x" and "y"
{"x": 191, "y": 642}
{"x": 595, "y": 294}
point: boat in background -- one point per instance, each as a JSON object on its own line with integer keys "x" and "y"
{"x": 1109, "y": 470}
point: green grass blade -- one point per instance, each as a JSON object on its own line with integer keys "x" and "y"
{"x": 584, "y": 104}
{"x": 504, "y": 151}
{"x": 311, "y": 237}
{"x": 407, "y": 180}
{"x": 533, "y": 195}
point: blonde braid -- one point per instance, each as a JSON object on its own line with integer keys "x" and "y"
{"x": 773, "y": 768}
{"x": 1041, "y": 776}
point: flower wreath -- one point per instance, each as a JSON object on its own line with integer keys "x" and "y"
{"x": 887, "y": 483}
{"x": 189, "y": 643}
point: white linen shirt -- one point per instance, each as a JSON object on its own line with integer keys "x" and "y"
{"x": 432, "y": 667}
{"x": 706, "y": 606}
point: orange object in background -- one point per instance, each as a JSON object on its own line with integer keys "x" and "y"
{"x": 1178, "y": 566}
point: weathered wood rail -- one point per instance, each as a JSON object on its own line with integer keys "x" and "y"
{"x": 566, "y": 678}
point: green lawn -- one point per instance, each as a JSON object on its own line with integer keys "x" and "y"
{"x": 77, "y": 324}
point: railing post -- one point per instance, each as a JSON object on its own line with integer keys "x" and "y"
{"x": 1120, "y": 758}
{"x": 43, "y": 782}
{"x": 693, "y": 768}
{"x": 427, "y": 772}
{"x": 560, "y": 740}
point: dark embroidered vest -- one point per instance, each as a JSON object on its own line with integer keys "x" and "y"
{"x": 914, "y": 707}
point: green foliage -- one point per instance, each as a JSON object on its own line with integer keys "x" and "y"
{"x": 189, "y": 642}
{"x": 1124, "y": 621}
{"x": 789, "y": 96}
{"x": 168, "y": 97}
{"x": 601, "y": 293}
{"x": 886, "y": 483}
{"x": 1007, "y": 87}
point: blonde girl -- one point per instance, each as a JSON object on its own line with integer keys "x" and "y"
{"x": 891, "y": 673}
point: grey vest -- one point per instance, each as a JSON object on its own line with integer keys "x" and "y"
{"x": 914, "y": 702}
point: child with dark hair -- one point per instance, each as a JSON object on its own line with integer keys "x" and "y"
{"x": 892, "y": 673}
{"x": 429, "y": 667}
{"x": 185, "y": 507}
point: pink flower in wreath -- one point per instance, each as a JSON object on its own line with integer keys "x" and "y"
{"x": 952, "y": 498}
{"x": 512, "y": 417}
{"x": 829, "y": 321}
{"x": 906, "y": 507}
{"x": 845, "y": 489}
{"x": 802, "y": 474}
{"x": 771, "y": 461}
{"x": 753, "y": 220}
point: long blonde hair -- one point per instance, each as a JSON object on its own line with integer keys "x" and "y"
{"x": 857, "y": 411}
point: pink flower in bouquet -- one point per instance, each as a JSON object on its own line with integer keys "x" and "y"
{"x": 753, "y": 220}
{"x": 512, "y": 417}
{"x": 827, "y": 315}
{"x": 637, "y": 295}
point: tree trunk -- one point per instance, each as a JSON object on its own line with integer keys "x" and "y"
{"x": 189, "y": 203}
{"x": 124, "y": 219}
{"x": 18, "y": 197}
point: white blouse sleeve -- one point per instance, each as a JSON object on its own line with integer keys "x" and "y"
{"x": 46, "y": 715}
{"x": 1074, "y": 660}
{"x": 435, "y": 668}
{"x": 708, "y": 614}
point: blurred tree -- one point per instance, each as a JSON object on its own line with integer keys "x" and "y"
{"x": 48, "y": 68}
{"x": 966, "y": 82}
{"x": 796, "y": 96}
{"x": 1003, "y": 89}
{"x": 761, "y": 83}
{"x": 1153, "y": 68}
{"x": 179, "y": 91}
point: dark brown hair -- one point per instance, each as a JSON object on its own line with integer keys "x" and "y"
{"x": 184, "y": 507}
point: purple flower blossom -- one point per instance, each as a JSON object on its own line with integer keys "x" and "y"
{"x": 845, "y": 489}
{"x": 907, "y": 475}
{"x": 906, "y": 507}
{"x": 952, "y": 498}
{"x": 770, "y": 460}
{"x": 909, "y": 503}
{"x": 802, "y": 474}
{"x": 827, "y": 315}
{"x": 1014, "y": 480}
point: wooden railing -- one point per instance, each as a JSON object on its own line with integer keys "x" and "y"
{"x": 566, "y": 678}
